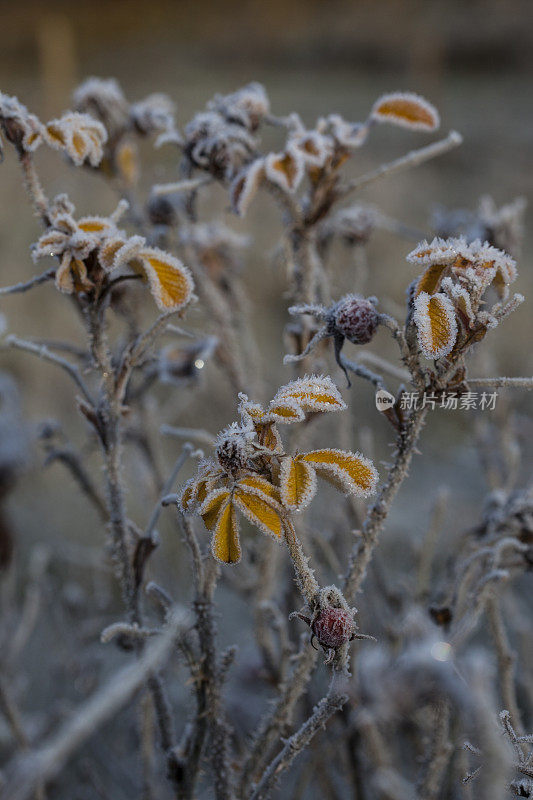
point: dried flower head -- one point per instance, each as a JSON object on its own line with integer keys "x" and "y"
{"x": 104, "y": 100}
{"x": 21, "y": 128}
{"x": 73, "y": 241}
{"x": 247, "y": 106}
{"x": 80, "y": 136}
{"x": 254, "y": 476}
{"x": 218, "y": 146}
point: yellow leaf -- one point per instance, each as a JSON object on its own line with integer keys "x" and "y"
{"x": 93, "y": 224}
{"x": 54, "y": 135}
{"x": 430, "y": 279}
{"x": 196, "y": 489}
{"x": 108, "y": 251}
{"x": 225, "y": 544}
{"x": 288, "y": 411}
{"x": 312, "y": 393}
{"x": 80, "y": 145}
{"x": 171, "y": 283}
{"x": 268, "y": 436}
{"x": 127, "y": 162}
{"x": 435, "y": 320}
{"x": 407, "y": 110}
{"x": 212, "y": 506}
{"x": 285, "y": 169}
{"x": 260, "y": 509}
{"x": 257, "y": 482}
{"x": 297, "y": 483}
{"x": 349, "y": 472}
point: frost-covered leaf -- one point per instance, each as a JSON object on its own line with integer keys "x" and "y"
{"x": 261, "y": 510}
{"x": 245, "y": 185}
{"x": 107, "y": 252}
{"x": 407, "y": 110}
{"x": 170, "y": 281}
{"x": 460, "y": 298}
{"x": 94, "y": 224}
{"x": 262, "y": 485}
{"x": 197, "y": 488}
{"x": 351, "y": 473}
{"x": 430, "y": 280}
{"x": 313, "y": 147}
{"x": 435, "y": 320}
{"x": 212, "y": 506}
{"x": 297, "y": 482}
{"x": 312, "y": 393}
{"x": 285, "y": 169}
{"x": 285, "y": 409}
{"x": 79, "y": 135}
{"x": 225, "y": 544}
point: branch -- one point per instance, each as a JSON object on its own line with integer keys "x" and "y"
{"x": 25, "y": 773}
{"x": 523, "y": 383}
{"x": 161, "y": 189}
{"x": 46, "y": 355}
{"x": 46, "y": 276}
{"x": 297, "y": 742}
{"x": 378, "y": 511}
{"x": 167, "y": 488}
{"x": 412, "y": 159}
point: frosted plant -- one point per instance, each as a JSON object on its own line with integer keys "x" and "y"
{"x": 417, "y": 687}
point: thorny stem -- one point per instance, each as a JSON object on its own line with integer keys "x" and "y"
{"x": 379, "y": 510}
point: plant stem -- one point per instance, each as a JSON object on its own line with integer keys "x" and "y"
{"x": 379, "y": 510}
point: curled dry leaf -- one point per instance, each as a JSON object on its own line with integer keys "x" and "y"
{"x": 245, "y": 185}
{"x": 285, "y": 169}
{"x": 79, "y": 135}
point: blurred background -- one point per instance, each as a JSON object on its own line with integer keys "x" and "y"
{"x": 473, "y": 60}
